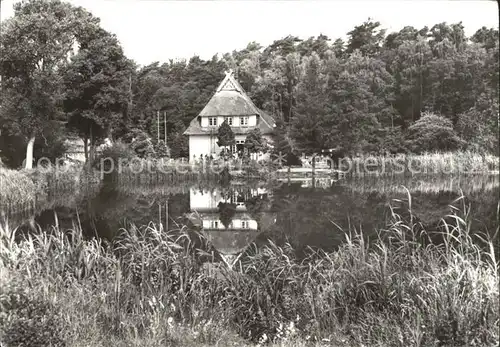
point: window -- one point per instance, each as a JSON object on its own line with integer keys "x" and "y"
{"x": 243, "y": 120}
{"x": 229, "y": 120}
{"x": 214, "y": 224}
{"x": 212, "y": 121}
{"x": 244, "y": 224}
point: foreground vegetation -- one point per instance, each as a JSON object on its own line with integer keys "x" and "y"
{"x": 151, "y": 288}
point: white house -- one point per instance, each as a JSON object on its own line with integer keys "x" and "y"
{"x": 231, "y": 103}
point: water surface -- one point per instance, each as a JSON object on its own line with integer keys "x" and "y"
{"x": 304, "y": 213}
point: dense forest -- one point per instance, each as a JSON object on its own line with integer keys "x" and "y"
{"x": 415, "y": 90}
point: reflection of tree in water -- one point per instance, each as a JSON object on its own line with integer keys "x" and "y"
{"x": 257, "y": 204}
{"x": 319, "y": 218}
{"x": 104, "y": 213}
{"x": 226, "y": 213}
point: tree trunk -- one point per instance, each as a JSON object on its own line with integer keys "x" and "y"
{"x": 85, "y": 148}
{"x": 29, "y": 153}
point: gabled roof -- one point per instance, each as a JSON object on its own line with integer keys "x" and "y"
{"x": 230, "y": 100}
{"x": 230, "y": 241}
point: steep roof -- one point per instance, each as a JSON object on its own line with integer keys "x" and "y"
{"x": 231, "y": 100}
{"x": 230, "y": 241}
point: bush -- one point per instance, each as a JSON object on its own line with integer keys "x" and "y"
{"x": 161, "y": 150}
{"x": 386, "y": 140}
{"x": 478, "y": 126}
{"x": 30, "y": 322}
{"x": 116, "y": 152}
{"x": 432, "y": 133}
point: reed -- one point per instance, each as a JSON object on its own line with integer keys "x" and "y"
{"x": 41, "y": 188}
{"x": 16, "y": 187}
{"x": 150, "y": 287}
{"x": 454, "y": 163}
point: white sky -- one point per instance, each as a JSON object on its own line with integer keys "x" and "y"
{"x": 155, "y": 30}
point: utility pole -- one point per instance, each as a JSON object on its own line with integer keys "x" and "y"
{"x": 130, "y": 96}
{"x": 158, "y": 126}
{"x": 165, "y": 126}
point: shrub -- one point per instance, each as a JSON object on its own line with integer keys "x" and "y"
{"x": 478, "y": 126}
{"x": 432, "y": 133}
{"x": 33, "y": 322}
{"x": 161, "y": 150}
{"x": 117, "y": 151}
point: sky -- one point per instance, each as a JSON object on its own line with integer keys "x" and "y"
{"x": 155, "y": 30}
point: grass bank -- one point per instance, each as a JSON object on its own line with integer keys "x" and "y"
{"x": 454, "y": 163}
{"x": 151, "y": 288}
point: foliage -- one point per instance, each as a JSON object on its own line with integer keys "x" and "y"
{"x": 115, "y": 154}
{"x": 16, "y": 187}
{"x": 225, "y": 135}
{"x": 36, "y": 43}
{"x": 161, "y": 150}
{"x": 142, "y": 144}
{"x": 325, "y": 93}
{"x": 479, "y": 125}
{"x": 254, "y": 142}
{"x": 226, "y": 211}
{"x": 30, "y": 321}
{"x": 179, "y": 147}
{"x": 96, "y": 81}
{"x": 432, "y": 133}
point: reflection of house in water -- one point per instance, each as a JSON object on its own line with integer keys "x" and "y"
{"x": 231, "y": 220}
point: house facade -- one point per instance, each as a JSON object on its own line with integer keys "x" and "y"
{"x": 229, "y": 103}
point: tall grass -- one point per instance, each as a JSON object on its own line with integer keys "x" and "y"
{"x": 42, "y": 188}
{"x": 426, "y": 184}
{"x": 16, "y": 187}
{"x": 153, "y": 288}
{"x": 456, "y": 163}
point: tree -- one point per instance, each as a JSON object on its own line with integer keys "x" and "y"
{"x": 487, "y": 37}
{"x": 410, "y": 68}
{"x": 97, "y": 82}
{"x": 36, "y": 43}
{"x": 367, "y": 38}
{"x": 478, "y": 126}
{"x": 309, "y": 127}
{"x": 225, "y": 136}
{"x": 226, "y": 213}
{"x": 254, "y": 142}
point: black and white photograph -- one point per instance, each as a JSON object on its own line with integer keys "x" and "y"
{"x": 226, "y": 173}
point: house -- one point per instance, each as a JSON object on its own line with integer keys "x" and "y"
{"x": 229, "y": 103}
{"x": 75, "y": 148}
{"x": 230, "y": 240}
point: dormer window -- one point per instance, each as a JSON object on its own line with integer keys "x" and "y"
{"x": 243, "y": 121}
{"x": 212, "y": 121}
{"x": 229, "y": 120}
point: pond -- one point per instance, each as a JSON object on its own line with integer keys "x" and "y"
{"x": 303, "y": 212}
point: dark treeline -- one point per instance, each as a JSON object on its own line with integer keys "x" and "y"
{"x": 419, "y": 89}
